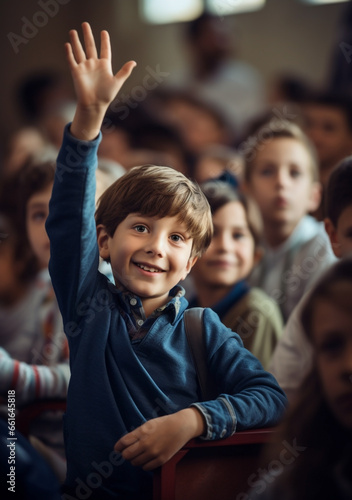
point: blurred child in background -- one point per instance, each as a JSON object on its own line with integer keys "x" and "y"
{"x": 220, "y": 274}
{"x": 319, "y": 425}
{"x": 281, "y": 174}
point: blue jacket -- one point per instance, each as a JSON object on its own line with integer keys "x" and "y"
{"x": 117, "y": 384}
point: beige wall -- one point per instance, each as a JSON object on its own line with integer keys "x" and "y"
{"x": 287, "y": 35}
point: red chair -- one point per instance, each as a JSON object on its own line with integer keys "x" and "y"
{"x": 208, "y": 470}
{"x": 30, "y": 412}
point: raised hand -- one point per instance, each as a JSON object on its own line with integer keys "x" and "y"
{"x": 94, "y": 81}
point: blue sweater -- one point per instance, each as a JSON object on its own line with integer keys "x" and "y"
{"x": 117, "y": 384}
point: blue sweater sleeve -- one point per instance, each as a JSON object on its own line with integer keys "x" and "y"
{"x": 249, "y": 396}
{"x": 70, "y": 225}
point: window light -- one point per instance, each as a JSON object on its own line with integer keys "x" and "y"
{"x": 227, "y": 7}
{"x": 170, "y": 11}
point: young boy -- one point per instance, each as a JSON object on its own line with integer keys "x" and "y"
{"x": 281, "y": 175}
{"x": 133, "y": 385}
{"x": 328, "y": 124}
{"x": 292, "y": 358}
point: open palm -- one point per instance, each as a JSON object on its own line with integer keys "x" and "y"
{"x": 95, "y": 83}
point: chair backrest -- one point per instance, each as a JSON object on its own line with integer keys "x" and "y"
{"x": 207, "y": 470}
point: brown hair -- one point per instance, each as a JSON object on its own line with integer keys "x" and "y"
{"x": 157, "y": 191}
{"x": 219, "y": 193}
{"x": 339, "y": 190}
{"x": 334, "y": 286}
{"x": 277, "y": 129}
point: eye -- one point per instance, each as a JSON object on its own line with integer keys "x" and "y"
{"x": 140, "y": 228}
{"x": 266, "y": 171}
{"x": 295, "y": 173}
{"x": 332, "y": 346}
{"x": 348, "y": 233}
{"x": 237, "y": 235}
{"x": 38, "y": 216}
{"x": 329, "y": 127}
{"x": 176, "y": 238}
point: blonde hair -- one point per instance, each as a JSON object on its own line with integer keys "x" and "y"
{"x": 158, "y": 191}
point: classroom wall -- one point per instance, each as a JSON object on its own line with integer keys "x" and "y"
{"x": 286, "y": 35}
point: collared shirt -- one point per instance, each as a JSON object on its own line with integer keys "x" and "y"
{"x": 137, "y": 323}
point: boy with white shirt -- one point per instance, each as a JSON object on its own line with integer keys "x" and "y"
{"x": 281, "y": 174}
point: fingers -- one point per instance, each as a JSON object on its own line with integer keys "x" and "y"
{"x": 125, "y": 71}
{"x": 125, "y": 441}
{"x": 77, "y": 49}
{"x": 139, "y": 455}
{"x": 69, "y": 56}
{"x": 105, "y": 46}
{"x": 89, "y": 43}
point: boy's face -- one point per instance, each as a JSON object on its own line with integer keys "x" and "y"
{"x": 148, "y": 256}
{"x": 231, "y": 254}
{"x": 341, "y": 235}
{"x": 332, "y": 337}
{"x": 328, "y": 129}
{"x": 36, "y": 214}
{"x": 281, "y": 182}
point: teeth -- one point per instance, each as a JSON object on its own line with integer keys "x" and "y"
{"x": 150, "y": 269}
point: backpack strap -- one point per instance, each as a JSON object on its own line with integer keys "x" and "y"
{"x": 194, "y": 332}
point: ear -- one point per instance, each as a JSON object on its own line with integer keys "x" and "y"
{"x": 315, "y": 196}
{"x": 258, "y": 255}
{"x": 190, "y": 264}
{"x": 245, "y": 188}
{"x": 332, "y": 233}
{"x": 103, "y": 242}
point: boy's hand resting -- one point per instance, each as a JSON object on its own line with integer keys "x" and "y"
{"x": 95, "y": 84}
{"x": 156, "y": 441}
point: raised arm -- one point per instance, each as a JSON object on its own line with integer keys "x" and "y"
{"x": 71, "y": 224}
{"x": 94, "y": 81}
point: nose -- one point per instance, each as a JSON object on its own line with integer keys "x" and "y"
{"x": 223, "y": 242}
{"x": 155, "y": 245}
{"x": 282, "y": 178}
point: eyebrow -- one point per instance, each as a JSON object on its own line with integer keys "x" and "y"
{"x": 37, "y": 204}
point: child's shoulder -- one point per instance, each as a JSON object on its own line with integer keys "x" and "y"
{"x": 257, "y": 305}
{"x": 314, "y": 239}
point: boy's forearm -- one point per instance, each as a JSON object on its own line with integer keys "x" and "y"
{"x": 86, "y": 123}
{"x": 196, "y": 420}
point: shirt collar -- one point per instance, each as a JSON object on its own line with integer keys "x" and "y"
{"x": 132, "y": 303}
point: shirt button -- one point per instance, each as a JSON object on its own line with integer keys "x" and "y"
{"x": 140, "y": 322}
{"x": 223, "y": 433}
{"x": 133, "y": 302}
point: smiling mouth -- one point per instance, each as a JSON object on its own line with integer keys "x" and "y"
{"x": 149, "y": 269}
